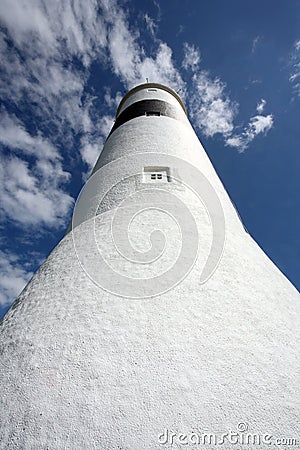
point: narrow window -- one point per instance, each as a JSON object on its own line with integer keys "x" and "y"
{"x": 156, "y": 175}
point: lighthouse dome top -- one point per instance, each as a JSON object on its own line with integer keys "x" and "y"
{"x": 148, "y": 90}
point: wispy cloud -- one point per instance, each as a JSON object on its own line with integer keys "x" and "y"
{"x": 112, "y": 101}
{"x": 255, "y": 42}
{"x": 295, "y": 63}
{"x": 90, "y": 152}
{"x": 212, "y": 110}
{"x": 210, "y": 107}
{"x": 31, "y": 191}
{"x": 41, "y": 48}
{"x": 50, "y": 36}
{"x": 33, "y": 195}
{"x": 14, "y": 135}
{"x": 150, "y": 23}
{"x": 92, "y": 143}
{"x": 191, "y": 58}
{"x": 257, "y": 125}
{"x": 13, "y": 277}
{"x": 261, "y": 105}
{"x": 49, "y": 79}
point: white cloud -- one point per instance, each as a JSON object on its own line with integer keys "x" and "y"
{"x": 74, "y": 26}
{"x": 105, "y": 125}
{"x": 261, "y": 124}
{"x": 90, "y": 153}
{"x": 295, "y": 62}
{"x": 213, "y": 112}
{"x": 210, "y": 107}
{"x": 34, "y": 196}
{"x": 159, "y": 69}
{"x": 47, "y": 36}
{"x": 14, "y": 135}
{"x": 32, "y": 192}
{"x": 257, "y": 125}
{"x": 127, "y": 57}
{"x": 39, "y": 66}
{"x": 191, "y": 57}
{"x": 92, "y": 144}
{"x": 131, "y": 64}
{"x": 123, "y": 50}
{"x": 50, "y": 35}
{"x": 13, "y": 277}
{"x": 261, "y": 105}
{"x": 255, "y": 43}
{"x": 151, "y": 25}
{"x": 112, "y": 101}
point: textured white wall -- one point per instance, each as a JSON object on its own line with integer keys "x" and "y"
{"x": 83, "y": 368}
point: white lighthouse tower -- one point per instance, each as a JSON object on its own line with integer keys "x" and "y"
{"x": 157, "y": 321}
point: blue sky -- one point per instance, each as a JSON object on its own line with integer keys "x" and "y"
{"x": 66, "y": 65}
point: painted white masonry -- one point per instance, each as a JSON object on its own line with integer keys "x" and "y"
{"x": 82, "y": 368}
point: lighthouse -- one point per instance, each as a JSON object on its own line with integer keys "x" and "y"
{"x": 157, "y": 321}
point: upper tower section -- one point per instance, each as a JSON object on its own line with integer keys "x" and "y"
{"x": 150, "y": 99}
{"x": 150, "y": 91}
